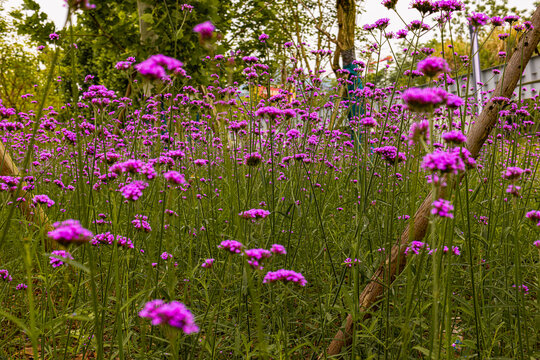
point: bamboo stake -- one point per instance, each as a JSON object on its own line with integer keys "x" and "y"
{"x": 476, "y": 137}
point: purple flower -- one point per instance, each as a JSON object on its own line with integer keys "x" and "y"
{"x": 454, "y": 137}
{"x": 133, "y": 191}
{"x": 141, "y": 223}
{"x": 418, "y": 131}
{"x": 208, "y": 263}
{"x": 443, "y": 162}
{"x": 424, "y": 100}
{"x": 390, "y": 154}
{"x": 284, "y": 276}
{"x": 496, "y": 21}
{"x": 512, "y": 173}
{"x": 205, "y": 30}
{"x": 175, "y": 177}
{"x": 415, "y": 247}
{"x": 254, "y": 214}
{"x": 165, "y": 255}
{"x": 511, "y": 18}
{"x": 4, "y": 275}
{"x": 254, "y": 257}
{"x": 70, "y": 232}
{"x": 54, "y": 36}
{"x": 278, "y": 249}
{"x": 389, "y": 4}
{"x": 173, "y": 314}
{"x": 263, "y": 37}
{"x": 58, "y": 256}
{"x": 478, "y": 19}
{"x": 442, "y": 208}
{"x": 423, "y": 6}
{"x": 350, "y": 262}
{"x": 154, "y": 66}
{"x": 252, "y": 159}
{"x": 534, "y": 215}
{"x": 21, "y": 286}
{"x": 368, "y": 122}
{"x": 43, "y": 199}
{"x": 433, "y": 66}
{"x": 268, "y": 111}
{"x": 232, "y": 246}
{"x": 454, "y": 101}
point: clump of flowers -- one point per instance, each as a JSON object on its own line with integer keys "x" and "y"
{"x": 4, "y": 275}
{"x": 278, "y": 249}
{"x": 415, "y": 247}
{"x": 454, "y": 137}
{"x": 285, "y": 276}
{"x": 133, "y": 191}
{"x": 254, "y": 214}
{"x": 173, "y": 314}
{"x": 350, "y": 262}
{"x": 70, "y": 232}
{"x": 208, "y": 263}
{"x": 390, "y": 154}
{"x": 433, "y": 66}
{"x": 424, "y": 100}
{"x": 534, "y": 215}
{"x": 154, "y": 66}
{"x": 141, "y": 223}
{"x": 205, "y": 30}
{"x": 58, "y": 257}
{"x": 174, "y": 177}
{"x": 232, "y": 246}
{"x": 43, "y": 199}
{"x": 21, "y": 286}
{"x": 253, "y": 159}
{"x": 254, "y": 257}
{"x": 442, "y": 208}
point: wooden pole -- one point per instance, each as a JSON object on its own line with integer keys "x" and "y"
{"x": 476, "y": 137}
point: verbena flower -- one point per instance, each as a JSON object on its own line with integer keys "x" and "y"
{"x": 4, "y": 275}
{"x": 442, "y": 208}
{"x": 285, "y": 276}
{"x": 278, "y": 249}
{"x": 208, "y": 263}
{"x": 254, "y": 214}
{"x": 454, "y": 137}
{"x": 433, "y": 66}
{"x": 58, "y": 257}
{"x": 173, "y": 314}
{"x": 154, "y": 67}
{"x": 390, "y": 154}
{"x": 443, "y": 162}
{"x": 232, "y": 246}
{"x": 254, "y": 257}
{"x": 424, "y": 100}
{"x": 21, "y": 286}
{"x": 133, "y": 191}
{"x": 205, "y": 30}
{"x": 70, "y": 232}
{"x": 478, "y": 19}
{"x": 174, "y": 177}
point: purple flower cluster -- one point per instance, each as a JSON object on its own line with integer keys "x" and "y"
{"x": 43, "y": 199}
{"x": 390, "y": 154}
{"x": 278, "y": 249}
{"x": 232, "y": 246}
{"x": 442, "y": 208}
{"x": 70, "y": 232}
{"x": 4, "y": 275}
{"x": 454, "y": 137}
{"x": 174, "y": 177}
{"x": 58, "y": 256}
{"x": 350, "y": 262}
{"x": 443, "y": 162}
{"x": 141, "y": 223}
{"x": 424, "y": 100}
{"x": 133, "y": 191}
{"x": 254, "y": 214}
{"x": 173, "y": 314}
{"x": 285, "y": 276}
{"x": 208, "y": 263}
{"x": 433, "y": 66}
{"x": 254, "y": 256}
{"x": 534, "y": 215}
{"x": 205, "y": 30}
{"x": 154, "y": 66}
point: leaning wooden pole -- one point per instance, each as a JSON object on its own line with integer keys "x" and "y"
{"x": 477, "y": 135}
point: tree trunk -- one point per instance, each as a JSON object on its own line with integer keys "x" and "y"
{"x": 477, "y": 135}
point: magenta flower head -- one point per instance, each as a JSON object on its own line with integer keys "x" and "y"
{"x": 175, "y": 177}
{"x": 268, "y": 111}
{"x": 70, "y": 232}
{"x": 154, "y": 67}
{"x": 4, "y": 275}
{"x": 173, "y": 314}
{"x": 58, "y": 257}
{"x": 208, "y": 263}
{"x": 389, "y": 4}
{"x": 442, "y": 208}
{"x": 424, "y": 100}
{"x": 54, "y": 36}
{"x": 278, "y": 249}
{"x": 231, "y": 246}
{"x": 80, "y": 4}
{"x": 254, "y": 214}
{"x": 478, "y": 19}
{"x": 512, "y": 173}
{"x": 433, "y": 66}
{"x": 263, "y": 37}
{"x": 454, "y": 137}
{"x": 285, "y": 276}
{"x": 205, "y": 30}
